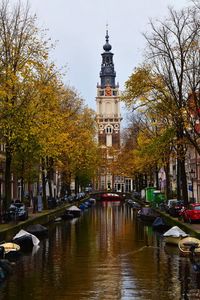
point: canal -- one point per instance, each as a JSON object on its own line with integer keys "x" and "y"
{"x": 105, "y": 254}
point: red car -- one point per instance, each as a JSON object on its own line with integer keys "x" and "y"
{"x": 192, "y": 213}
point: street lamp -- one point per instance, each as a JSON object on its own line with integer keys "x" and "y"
{"x": 192, "y": 176}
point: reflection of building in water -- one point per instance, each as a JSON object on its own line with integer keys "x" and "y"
{"x": 109, "y": 124}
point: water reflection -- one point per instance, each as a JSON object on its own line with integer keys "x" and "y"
{"x": 105, "y": 254}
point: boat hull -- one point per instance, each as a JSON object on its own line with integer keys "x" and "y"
{"x": 172, "y": 240}
{"x": 25, "y": 242}
{"x": 11, "y": 250}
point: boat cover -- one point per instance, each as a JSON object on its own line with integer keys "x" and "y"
{"x": 175, "y": 231}
{"x": 36, "y": 228}
{"x": 73, "y": 208}
{"x": 22, "y": 232}
{"x": 147, "y": 211}
{"x": 158, "y": 222}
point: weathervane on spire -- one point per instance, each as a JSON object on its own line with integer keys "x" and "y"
{"x": 107, "y": 36}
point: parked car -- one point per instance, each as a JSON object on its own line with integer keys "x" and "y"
{"x": 176, "y": 208}
{"x": 17, "y": 211}
{"x": 192, "y": 213}
{"x": 170, "y": 203}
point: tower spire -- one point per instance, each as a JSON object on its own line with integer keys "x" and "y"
{"x": 107, "y": 73}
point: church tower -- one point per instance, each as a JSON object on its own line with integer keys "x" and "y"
{"x": 107, "y": 101}
{"x": 108, "y": 116}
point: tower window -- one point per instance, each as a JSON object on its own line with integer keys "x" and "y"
{"x": 101, "y": 93}
{"x": 109, "y": 130}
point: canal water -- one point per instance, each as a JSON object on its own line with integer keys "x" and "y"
{"x": 107, "y": 253}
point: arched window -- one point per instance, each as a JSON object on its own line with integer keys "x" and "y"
{"x": 109, "y": 130}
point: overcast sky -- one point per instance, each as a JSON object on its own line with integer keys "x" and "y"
{"x": 80, "y": 26}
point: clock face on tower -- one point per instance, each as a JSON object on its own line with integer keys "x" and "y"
{"x": 108, "y": 91}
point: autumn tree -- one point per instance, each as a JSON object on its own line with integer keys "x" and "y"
{"x": 173, "y": 51}
{"x": 146, "y": 94}
{"x": 172, "y": 54}
{"x": 22, "y": 48}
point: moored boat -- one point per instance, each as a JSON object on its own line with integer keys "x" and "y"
{"x": 38, "y": 230}
{"x": 160, "y": 224}
{"x": 174, "y": 235}
{"x": 111, "y": 197}
{"x": 82, "y": 206}
{"x": 88, "y": 203}
{"x": 67, "y": 215}
{"x": 92, "y": 200}
{"x": 74, "y": 210}
{"x": 25, "y": 240}
{"x": 189, "y": 245}
{"x": 9, "y": 250}
{"x": 147, "y": 214}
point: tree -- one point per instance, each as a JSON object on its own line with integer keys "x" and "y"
{"x": 146, "y": 93}
{"x": 172, "y": 54}
{"x": 22, "y": 48}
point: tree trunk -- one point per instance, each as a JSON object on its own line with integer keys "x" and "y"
{"x": 168, "y": 187}
{"x": 76, "y": 185}
{"x": 50, "y": 172}
{"x": 44, "y": 197}
{"x": 183, "y": 182}
{"x": 182, "y": 193}
{"x": 178, "y": 179}
{"x": 22, "y": 189}
{"x": 22, "y": 182}
{"x": 157, "y": 179}
{"x": 7, "y": 198}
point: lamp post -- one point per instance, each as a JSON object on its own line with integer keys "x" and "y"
{"x": 192, "y": 175}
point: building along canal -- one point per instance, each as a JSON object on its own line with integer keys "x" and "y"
{"x": 107, "y": 253}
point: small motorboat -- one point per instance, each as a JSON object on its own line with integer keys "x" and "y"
{"x": 82, "y": 206}
{"x": 159, "y": 224}
{"x": 174, "y": 235}
{"x": 9, "y": 250}
{"x": 189, "y": 246}
{"x": 25, "y": 240}
{"x": 88, "y": 203}
{"x": 38, "y": 230}
{"x": 74, "y": 210}
{"x": 92, "y": 200}
{"x": 147, "y": 214}
{"x": 58, "y": 219}
{"x": 67, "y": 215}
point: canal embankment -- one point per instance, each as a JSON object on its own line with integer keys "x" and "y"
{"x": 192, "y": 229}
{"x": 7, "y": 230}
{"x": 44, "y": 217}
